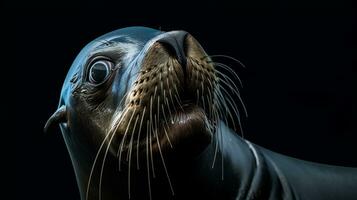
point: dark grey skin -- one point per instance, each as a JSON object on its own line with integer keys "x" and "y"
{"x": 144, "y": 113}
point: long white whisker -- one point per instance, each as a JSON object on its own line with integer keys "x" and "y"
{"x": 138, "y": 139}
{"x": 132, "y": 137}
{"x": 222, "y": 105}
{"x": 228, "y": 111}
{"x": 235, "y": 90}
{"x": 203, "y": 99}
{"x": 229, "y": 70}
{"x": 172, "y": 101}
{"x": 130, "y": 150}
{"x": 230, "y": 57}
{"x": 228, "y": 81}
{"x": 93, "y": 165}
{"x": 120, "y": 150}
{"x": 150, "y": 141}
{"x": 167, "y": 136}
{"x": 236, "y": 111}
{"x": 170, "y": 93}
{"x": 215, "y": 151}
{"x": 147, "y": 156}
{"x": 234, "y": 107}
{"x": 178, "y": 99}
{"x": 167, "y": 103}
{"x": 163, "y": 161}
{"x": 98, "y": 153}
{"x": 104, "y": 159}
{"x": 222, "y": 156}
{"x": 210, "y": 101}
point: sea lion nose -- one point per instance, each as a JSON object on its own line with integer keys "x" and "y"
{"x": 175, "y": 41}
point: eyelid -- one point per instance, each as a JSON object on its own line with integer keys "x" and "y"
{"x": 94, "y": 59}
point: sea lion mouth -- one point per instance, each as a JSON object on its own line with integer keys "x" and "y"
{"x": 169, "y": 105}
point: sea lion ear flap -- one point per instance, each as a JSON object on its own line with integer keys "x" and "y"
{"x": 59, "y": 116}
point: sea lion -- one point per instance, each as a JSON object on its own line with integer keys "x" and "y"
{"x": 144, "y": 115}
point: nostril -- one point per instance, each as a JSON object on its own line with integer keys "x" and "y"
{"x": 169, "y": 48}
{"x": 175, "y": 43}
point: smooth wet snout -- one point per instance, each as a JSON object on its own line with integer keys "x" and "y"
{"x": 175, "y": 43}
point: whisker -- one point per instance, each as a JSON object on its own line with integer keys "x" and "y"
{"x": 221, "y": 105}
{"x": 132, "y": 137}
{"x": 169, "y": 109}
{"x": 165, "y": 119}
{"x": 226, "y": 56}
{"x": 222, "y": 157}
{"x": 177, "y": 97}
{"x": 229, "y": 70}
{"x": 147, "y": 156}
{"x": 93, "y": 165}
{"x": 203, "y": 100}
{"x": 150, "y": 140}
{"x": 104, "y": 159}
{"x": 158, "y": 112}
{"x": 235, "y": 110}
{"x": 97, "y": 156}
{"x": 178, "y": 102}
{"x": 163, "y": 161}
{"x": 168, "y": 138}
{"x": 235, "y": 90}
{"x": 218, "y": 114}
{"x": 172, "y": 101}
{"x": 228, "y": 111}
{"x": 231, "y": 82}
{"x": 130, "y": 150}
{"x": 138, "y": 139}
{"x": 120, "y": 150}
{"x": 170, "y": 93}
{"x": 211, "y": 99}
{"x": 215, "y": 151}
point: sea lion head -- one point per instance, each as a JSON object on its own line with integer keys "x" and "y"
{"x": 136, "y": 86}
{"x": 136, "y": 93}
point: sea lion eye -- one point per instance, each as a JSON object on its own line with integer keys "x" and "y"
{"x": 99, "y": 71}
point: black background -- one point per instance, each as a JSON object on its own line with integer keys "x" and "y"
{"x": 298, "y": 85}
